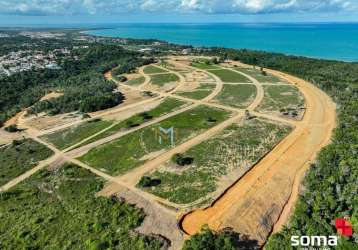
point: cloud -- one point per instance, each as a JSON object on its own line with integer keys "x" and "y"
{"x": 107, "y": 7}
{"x": 267, "y": 6}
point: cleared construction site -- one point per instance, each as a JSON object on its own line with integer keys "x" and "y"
{"x": 194, "y": 143}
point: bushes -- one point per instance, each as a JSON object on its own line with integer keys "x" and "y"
{"x": 146, "y": 116}
{"x": 87, "y": 92}
{"x": 226, "y": 239}
{"x": 182, "y": 160}
{"x": 147, "y": 181}
{"x": 12, "y": 129}
{"x": 19, "y": 157}
{"x": 59, "y": 210}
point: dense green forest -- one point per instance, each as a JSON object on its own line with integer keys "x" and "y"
{"x": 58, "y": 209}
{"x": 331, "y": 184}
{"x": 81, "y": 81}
{"x": 226, "y": 239}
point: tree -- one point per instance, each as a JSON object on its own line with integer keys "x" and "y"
{"x": 226, "y": 239}
{"x": 12, "y": 128}
{"x": 182, "y": 160}
{"x": 147, "y": 181}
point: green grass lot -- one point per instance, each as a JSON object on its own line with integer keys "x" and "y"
{"x": 238, "y": 96}
{"x": 173, "y": 67}
{"x": 256, "y": 73}
{"x": 230, "y": 76}
{"x": 20, "y": 157}
{"x": 67, "y": 137}
{"x": 205, "y": 66}
{"x": 59, "y": 210}
{"x": 237, "y": 147}
{"x": 162, "y": 79}
{"x": 128, "y": 152}
{"x": 153, "y": 70}
{"x": 281, "y": 97}
{"x": 136, "y": 81}
{"x": 203, "y": 91}
{"x": 165, "y": 107}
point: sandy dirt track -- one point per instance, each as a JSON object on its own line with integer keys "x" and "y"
{"x": 255, "y": 203}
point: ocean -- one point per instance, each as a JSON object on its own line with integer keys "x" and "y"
{"x": 338, "y": 41}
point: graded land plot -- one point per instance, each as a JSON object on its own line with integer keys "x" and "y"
{"x": 194, "y": 78}
{"x": 44, "y": 122}
{"x": 161, "y": 79}
{"x": 260, "y": 76}
{"x": 132, "y": 150}
{"x": 20, "y": 157}
{"x": 177, "y": 68}
{"x": 70, "y": 136}
{"x": 201, "y": 92}
{"x": 205, "y": 66}
{"x": 284, "y": 99}
{"x": 227, "y": 75}
{"x": 166, "y": 106}
{"x": 238, "y": 96}
{"x": 58, "y": 209}
{"x": 151, "y": 69}
{"x": 135, "y": 81}
{"x": 198, "y": 172}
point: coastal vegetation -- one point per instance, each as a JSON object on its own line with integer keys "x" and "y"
{"x": 227, "y": 75}
{"x": 225, "y": 239}
{"x": 59, "y": 209}
{"x": 205, "y": 64}
{"x": 260, "y": 75}
{"x": 282, "y": 98}
{"x": 19, "y": 157}
{"x": 238, "y": 96}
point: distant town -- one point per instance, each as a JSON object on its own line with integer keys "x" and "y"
{"x": 25, "y": 60}
{"x": 32, "y": 57}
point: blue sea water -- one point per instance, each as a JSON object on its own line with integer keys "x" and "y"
{"x": 326, "y": 41}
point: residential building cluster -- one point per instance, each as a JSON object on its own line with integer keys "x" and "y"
{"x": 41, "y": 34}
{"x": 25, "y": 60}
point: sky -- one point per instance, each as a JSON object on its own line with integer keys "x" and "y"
{"x": 24, "y": 12}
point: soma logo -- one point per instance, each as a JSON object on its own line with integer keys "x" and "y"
{"x": 343, "y": 226}
{"x": 314, "y": 241}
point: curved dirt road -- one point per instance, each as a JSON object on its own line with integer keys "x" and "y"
{"x": 218, "y": 86}
{"x": 259, "y": 90}
{"x": 254, "y": 204}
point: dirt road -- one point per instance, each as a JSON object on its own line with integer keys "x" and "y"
{"x": 255, "y": 203}
{"x": 218, "y": 86}
{"x": 134, "y": 176}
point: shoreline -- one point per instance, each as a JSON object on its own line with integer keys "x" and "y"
{"x": 247, "y": 41}
{"x": 194, "y": 41}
